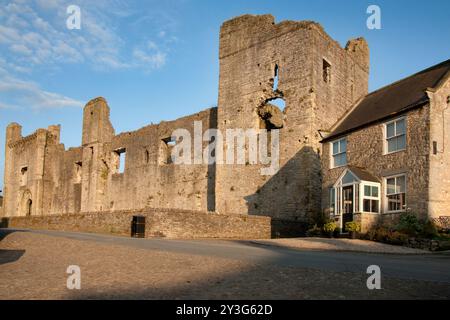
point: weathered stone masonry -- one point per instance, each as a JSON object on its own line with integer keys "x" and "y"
{"x": 253, "y": 50}
{"x": 260, "y": 61}
{"x": 86, "y": 179}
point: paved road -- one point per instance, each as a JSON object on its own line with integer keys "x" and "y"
{"x": 430, "y": 267}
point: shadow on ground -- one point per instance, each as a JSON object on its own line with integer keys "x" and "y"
{"x": 8, "y": 256}
{"x": 5, "y": 232}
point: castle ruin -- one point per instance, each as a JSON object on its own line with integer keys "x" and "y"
{"x": 261, "y": 62}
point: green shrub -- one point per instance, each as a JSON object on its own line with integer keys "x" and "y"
{"x": 385, "y": 235}
{"x": 429, "y": 230}
{"x": 381, "y": 235}
{"x": 396, "y": 238}
{"x": 329, "y": 227}
{"x": 353, "y": 226}
{"x": 370, "y": 235}
{"x": 409, "y": 224}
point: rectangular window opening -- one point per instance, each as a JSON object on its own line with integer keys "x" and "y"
{"x": 167, "y": 144}
{"x": 78, "y": 170}
{"x": 326, "y": 71}
{"x": 23, "y": 176}
{"x": 120, "y": 158}
{"x": 147, "y": 156}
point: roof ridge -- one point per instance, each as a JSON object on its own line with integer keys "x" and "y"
{"x": 410, "y": 76}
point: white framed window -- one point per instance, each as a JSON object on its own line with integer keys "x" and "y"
{"x": 396, "y": 193}
{"x": 371, "y": 198}
{"x": 339, "y": 153}
{"x": 332, "y": 201}
{"x": 395, "y": 135}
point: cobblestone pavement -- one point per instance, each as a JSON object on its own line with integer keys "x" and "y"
{"x": 33, "y": 266}
{"x": 355, "y": 245}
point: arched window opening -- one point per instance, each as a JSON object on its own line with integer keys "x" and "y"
{"x": 279, "y": 102}
{"x": 29, "y": 207}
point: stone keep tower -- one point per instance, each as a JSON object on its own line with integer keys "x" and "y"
{"x": 298, "y": 64}
{"x": 97, "y": 131}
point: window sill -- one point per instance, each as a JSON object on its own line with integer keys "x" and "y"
{"x": 117, "y": 175}
{"x": 392, "y": 212}
{"x": 336, "y": 167}
{"x": 392, "y": 152}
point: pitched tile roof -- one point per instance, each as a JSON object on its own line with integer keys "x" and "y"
{"x": 391, "y": 100}
{"x": 363, "y": 174}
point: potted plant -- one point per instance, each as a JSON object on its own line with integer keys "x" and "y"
{"x": 353, "y": 228}
{"x": 328, "y": 228}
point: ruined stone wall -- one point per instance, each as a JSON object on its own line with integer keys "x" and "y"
{"x": 365, "y": 150}
{"x": 65, "y": 192}
{"x": 87, "y": 178}
{"x": 168, "y": 223}
{"x": 252, "y": 50}
{"x": 439, "y": 189}
{"x": 25, "y": 170}
{"x": 148, "y": 180}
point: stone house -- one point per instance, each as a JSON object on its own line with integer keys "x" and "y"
{"x": 390, "y": 153}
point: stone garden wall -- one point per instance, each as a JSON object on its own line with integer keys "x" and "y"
{"x": 159, "y": 223}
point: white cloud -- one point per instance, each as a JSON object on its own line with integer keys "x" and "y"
{"x": 7, "y": 106}
{"x": 20, "y": 48}
{"x": 34, "y": 40}
{"x": 155, "y": 60}
{"x": 26, "y": 94}
{"x": 35, "y": 34}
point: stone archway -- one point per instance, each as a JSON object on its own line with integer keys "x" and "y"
{"x": 26, "y": 204}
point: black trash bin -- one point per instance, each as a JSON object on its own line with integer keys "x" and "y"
{"x": 138, "y": 227}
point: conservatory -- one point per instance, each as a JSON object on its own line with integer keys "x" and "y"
{"x": 356, "y": 191}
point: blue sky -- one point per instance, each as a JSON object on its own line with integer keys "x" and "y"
{"x": 156, "y": 60}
